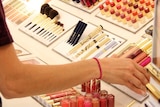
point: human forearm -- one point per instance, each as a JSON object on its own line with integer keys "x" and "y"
{"x": 25, "y": 79}
{"x": 57, "y": 77}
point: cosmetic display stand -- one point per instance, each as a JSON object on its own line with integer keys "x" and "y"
{"x": 51, "y": 54}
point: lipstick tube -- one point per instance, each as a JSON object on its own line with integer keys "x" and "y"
{"x": 154, "y": 91}
{"x": 155, "y": 73}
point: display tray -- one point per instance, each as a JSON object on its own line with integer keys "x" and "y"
{"x": 125, "y": 26}
{"x": 49, "y": 31}
{"x": 100, "y": 45}
{"x": 131, "y": 93}
{"x": 82, "y": 7}
{"x": 130, "y": 15}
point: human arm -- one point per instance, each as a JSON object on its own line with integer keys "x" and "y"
{"x": 19, "y": 80}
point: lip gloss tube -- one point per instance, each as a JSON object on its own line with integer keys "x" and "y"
{"x": 59, "y": 95}
{"x": 87, "y": 103}
{"x": 65, "y": 102}
{"x": 140, "y": 50}
{"x": 67, "y": 90}
{"x": 110, "y": 100}
{"x": 142, "y": 55}
{"x": 95, "y": 102}
{"x": 145, "y": 61}
{"x": 103, "y": 101}
{"x": 80, "y": 101}
{"x": 73, "y": 101}
{"x": 96, "y": 85}
{"x": 136, "y": 47}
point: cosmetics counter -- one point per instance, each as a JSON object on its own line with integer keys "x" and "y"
{"x": 75, "y": 31}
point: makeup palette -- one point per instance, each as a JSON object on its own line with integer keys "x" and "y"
{"x": 94, "y": 42}
{"x": 140, "y": 52}
{"x": 48, "y": 25}
{"x": 17, "y": 11}
{"x": 128, "y": 14}
{"x": 85, "y": 5}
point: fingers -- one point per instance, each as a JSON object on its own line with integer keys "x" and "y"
{"x": 137, "y": 79}
{"x": 141, "y": 91}
{"x": 142, "y": 74}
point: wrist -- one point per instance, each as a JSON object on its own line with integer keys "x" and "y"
{"x": 99, "y": 68}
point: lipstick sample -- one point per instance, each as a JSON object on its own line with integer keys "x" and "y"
{"x": 110, "y": 100}
{"x": 138, "y": 13}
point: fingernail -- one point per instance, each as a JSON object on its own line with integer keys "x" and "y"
{"x": 143, "y": 93}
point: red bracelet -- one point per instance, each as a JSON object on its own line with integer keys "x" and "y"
{"x": 100, "y": 69}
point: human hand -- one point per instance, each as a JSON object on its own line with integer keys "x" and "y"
{"x": 126, "y": 72}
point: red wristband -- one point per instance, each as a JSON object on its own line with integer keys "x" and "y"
{"x": 99, "y": 66}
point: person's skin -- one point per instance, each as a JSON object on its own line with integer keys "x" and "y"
{"x": 20, "y": 80}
